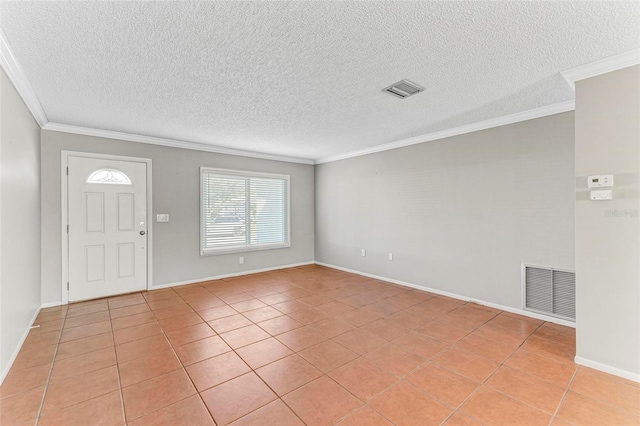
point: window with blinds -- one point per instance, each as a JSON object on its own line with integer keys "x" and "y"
{"x": 242, "y": 211}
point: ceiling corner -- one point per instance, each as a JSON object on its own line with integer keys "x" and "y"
{"x": 602, "y": 66}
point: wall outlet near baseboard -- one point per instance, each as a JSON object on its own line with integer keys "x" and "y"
{"x": 390, "y": 256}
{"x": 364, "y": 252}
{"x": 241, "y": 260}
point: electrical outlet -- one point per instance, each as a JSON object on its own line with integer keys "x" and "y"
{"x": 241, "y": 260}
{"x": 364, "y": 252}
{"x": 390, "y": 256}
{"x": 162, "y": 217}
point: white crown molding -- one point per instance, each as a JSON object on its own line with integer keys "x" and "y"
{"x": 602, "y": 66}
{"x": 474, "y": 127}
{"x": 130, "y": 137}
{"x": 16, "y": 75}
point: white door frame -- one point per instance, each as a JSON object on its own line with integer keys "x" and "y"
{"x": 64, "y": 161}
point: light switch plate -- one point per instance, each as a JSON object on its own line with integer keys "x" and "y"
{"x": 600, "y": 181}
{"x": 163, "y": 217}
{"x": 602, "y": 195}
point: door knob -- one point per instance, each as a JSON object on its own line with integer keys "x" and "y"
{"x": 142, "y": 232}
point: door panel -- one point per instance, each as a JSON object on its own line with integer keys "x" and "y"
{"x": 107, "y": 227}
{"x": 95, "y": 211}
{"x": 94, "y": 263}
{"x": 126, "y": 260}
{"x": 126, "y": 212}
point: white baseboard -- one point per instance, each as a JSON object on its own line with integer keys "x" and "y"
{"x": 199, "y": 280}
{"x": 456, "y": 296}
{"x": 19, "y": 346}
{"x": 607, "y": 369}
{"x": 234, "y": 274}
{"x": 578, "y": 360}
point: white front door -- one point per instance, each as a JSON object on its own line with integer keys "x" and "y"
{"x": 107, "y": 227}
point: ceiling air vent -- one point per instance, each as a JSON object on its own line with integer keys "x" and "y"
{"x": 403, "y": 89}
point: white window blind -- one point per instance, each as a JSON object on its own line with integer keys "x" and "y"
{"x": 243, "y": 211}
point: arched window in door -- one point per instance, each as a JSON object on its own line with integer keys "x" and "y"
{"x": 109, "y": 176}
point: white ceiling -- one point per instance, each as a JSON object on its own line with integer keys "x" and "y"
{"x": 304, "y": 79}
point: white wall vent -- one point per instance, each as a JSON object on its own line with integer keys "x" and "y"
{"x": 403, "y": 89}
{"x": 549, "y": 291}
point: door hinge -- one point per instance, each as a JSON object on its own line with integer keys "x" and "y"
{"x": 67, "y": 171}
{"x": 67, "y": 285}
{"x": 67, "y": 229}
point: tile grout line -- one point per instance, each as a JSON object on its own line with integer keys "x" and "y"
{"x": 278, "y": 397}
{"x": 55, "y": 354}
{"x": 314, "y": 289}
{"x": 483, "y": 383}
{"x": 564, "y": 396}
{"x": 452, "y": 345}
{"x": 426, "y": 361}
{"x": 172, "y": 349}
{"x": 182, "y": 366}
{"x": 360, "y": 356}
{"x": 109, "y": 309}
{"x": 500, "y": 365}
{"x": 115, "y": 352}
{"x": 218, "y": 335}
{"x": 402, "y": 379}
{"x": 516, "y": 399}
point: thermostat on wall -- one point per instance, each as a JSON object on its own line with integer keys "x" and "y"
{"x": 600, "y": 181}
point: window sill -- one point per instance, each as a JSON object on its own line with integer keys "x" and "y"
{"x": 244, "y": 249}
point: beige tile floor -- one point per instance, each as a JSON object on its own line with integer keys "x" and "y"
{"x": 308, "y": 345}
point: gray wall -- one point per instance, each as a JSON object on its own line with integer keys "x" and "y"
{"x": 176, "y": 174}
{"x": 19, "y": 220}
{"x": 608, "y": 246}
{"x": 459, "y": 214}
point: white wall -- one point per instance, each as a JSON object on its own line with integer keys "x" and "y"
{"x": 176, "y": 249}
{"x": 608, "y": 232}
{"x": 459, "y": 214}
{"x": 19, "y": 221}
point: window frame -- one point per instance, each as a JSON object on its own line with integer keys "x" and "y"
{"x": 244, "y": 248}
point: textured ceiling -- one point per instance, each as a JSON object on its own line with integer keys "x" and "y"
{"x": 304, "y": 79}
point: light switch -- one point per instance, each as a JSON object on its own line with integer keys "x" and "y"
{"x": 162, "y": 217}
{"x": 602, "y": 195}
